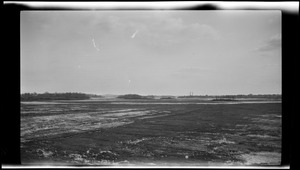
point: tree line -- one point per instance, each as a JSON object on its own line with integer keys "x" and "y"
{"x": 131, "y": 96}
{"x": 53, "y": 96}
{"x": 271, "y": 96}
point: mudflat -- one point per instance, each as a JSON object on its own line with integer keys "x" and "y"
{"x": 151, "y": 133}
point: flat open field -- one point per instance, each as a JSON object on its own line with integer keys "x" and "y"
{"x": 151, "y": 132}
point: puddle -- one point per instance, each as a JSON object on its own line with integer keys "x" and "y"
{"x": 137, "y": 141}
{"x": 148, "y": 117}
{"x": 261, "y": 158}
{"x": 224, "y": 141}
{"x": 109, "y": 152}
{"x": 269, "y": 128}
{"x": 263, "y": 136}
{"x": 127, "y": 114}
{"x": 259, "y": 120}
{"x": 44, "y": 153}
{"x": 271, "y": 115}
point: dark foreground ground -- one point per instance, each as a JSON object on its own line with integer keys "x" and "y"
{"x": 150, "y": 133}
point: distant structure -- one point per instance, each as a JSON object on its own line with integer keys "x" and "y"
{"x": 191, "y": 94}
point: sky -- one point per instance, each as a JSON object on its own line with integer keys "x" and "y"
{"x": 154, "y": 52}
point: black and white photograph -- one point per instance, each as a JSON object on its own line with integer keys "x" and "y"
{"x": 129, "y": 88}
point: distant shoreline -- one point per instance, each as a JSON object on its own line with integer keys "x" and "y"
{"x": 150, "y": 101}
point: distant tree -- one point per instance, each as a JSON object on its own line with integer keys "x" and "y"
{"x": 131, "y": 96}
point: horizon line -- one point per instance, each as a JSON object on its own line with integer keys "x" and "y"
{"x": 162, "y": 94}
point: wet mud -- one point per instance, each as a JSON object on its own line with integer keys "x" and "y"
{"x": 83, "y": 133}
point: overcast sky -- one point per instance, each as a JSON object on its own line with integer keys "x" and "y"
{"x": 151, "y": 52}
